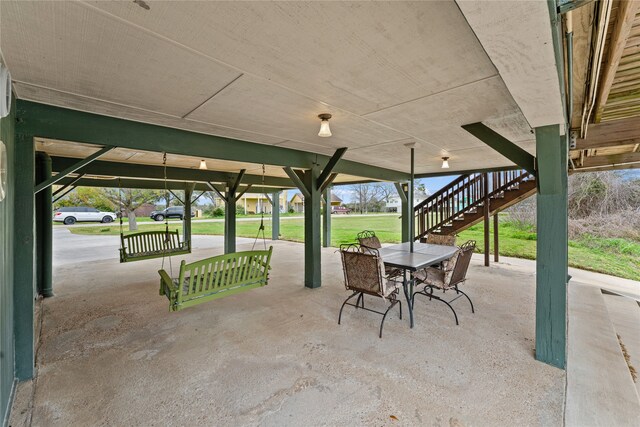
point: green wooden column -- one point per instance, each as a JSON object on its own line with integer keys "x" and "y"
{"x": 552, "y": 246}
{"x": 275, "y": 215}
{"x": 326, "y": 218}
{"x": 44, "y": 228}
{"x": 230, "y": 219}
{"x": 312, "y": 264}
{"x": 186, "y": 220}
{"x": 405, "y": 214}
{"x": 24, "y": 259}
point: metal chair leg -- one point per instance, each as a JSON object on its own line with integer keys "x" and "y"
{"x": 361, "y": 296}
{"x": 432, "y": 296}
{"x": 345, "y": 303}
{"x": 400, "y": 304}
{"x": 468, "y": 299}
{"x": 385, "y": 316}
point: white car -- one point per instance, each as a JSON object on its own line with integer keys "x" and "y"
{"x": 69, "y": 215}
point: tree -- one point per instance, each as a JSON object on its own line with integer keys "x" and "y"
{"x": 87, "y": 196}
{"x": 131, "y": 199}
{"x": 365, "y": 195}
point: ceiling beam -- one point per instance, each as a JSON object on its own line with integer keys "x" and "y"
{"x": 503, "y": 146}
{"x": 295, "y": 177}
{"x": 626, "y": 15}
{"x": 45, "y": 121}
{"x": 610, "y": 160}
{"x": 78, "y": 164}
{"x": 149, "y": 184}
{"x": 131, "y": 170}
{"x": 331, "y": 164}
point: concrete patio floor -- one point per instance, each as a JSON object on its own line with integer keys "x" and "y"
{"x": 111, "y": 354}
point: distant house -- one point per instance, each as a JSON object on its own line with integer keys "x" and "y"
{"x": 394, "y": 204}
{"x": 297, "y": 202}
{"x": 258, "y": 203}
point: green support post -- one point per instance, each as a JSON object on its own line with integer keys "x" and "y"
{"x": 23, "y": 251}
{"x": 552, "y": 246}
{"x": 44, "y": 228}
{"x": 405, "y": 218}
{"x": 230, "y": 219}
{"x": 186, "y": 219}
{"x": 275, "y": 215}
{"x": 326, "y": 218}
{"x": 312, "y": 245}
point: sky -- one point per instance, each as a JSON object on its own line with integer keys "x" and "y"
{"x": 431, "y": 184}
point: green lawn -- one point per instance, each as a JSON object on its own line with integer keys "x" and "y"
{"x": 618, "y": 257}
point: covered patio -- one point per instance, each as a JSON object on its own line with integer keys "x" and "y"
{"x": 110, "y": 353}
{"x": 141, "y": 94}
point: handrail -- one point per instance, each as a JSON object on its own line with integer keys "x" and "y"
{"x": 463, "y": 194}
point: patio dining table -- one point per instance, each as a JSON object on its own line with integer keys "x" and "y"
{"x": 423, "y": 255}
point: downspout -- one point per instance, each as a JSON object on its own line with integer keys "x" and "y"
{"x": 568, "y": 21}
{"x": 596, "y": 62}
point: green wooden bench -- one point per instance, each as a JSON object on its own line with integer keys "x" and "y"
{"x": 215, "y": 277}
{"x": 151, "y": 244}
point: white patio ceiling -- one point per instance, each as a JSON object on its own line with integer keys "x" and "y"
{"x": 389, "y": 73}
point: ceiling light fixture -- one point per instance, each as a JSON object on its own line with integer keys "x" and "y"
{"x": 325, "y": 131}
{"x": 445, "y": 163}
{"x": 203, "y": 165}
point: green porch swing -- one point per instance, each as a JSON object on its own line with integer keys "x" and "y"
{"x": 218, "y": 276}
{"x": 151, "y": 244}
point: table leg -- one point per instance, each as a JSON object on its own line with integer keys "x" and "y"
{"x": 406, "y": 284}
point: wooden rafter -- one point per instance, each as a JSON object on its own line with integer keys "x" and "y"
{"x": 626, "y": 15}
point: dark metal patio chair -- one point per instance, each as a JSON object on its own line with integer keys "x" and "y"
{"x": 364, "y": 274}
{"x": 441, "y": 239}
{"x": 369, "y": 240}
{"x": 449, "y": 277}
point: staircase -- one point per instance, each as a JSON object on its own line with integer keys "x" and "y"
{"x": 462, "y": 203}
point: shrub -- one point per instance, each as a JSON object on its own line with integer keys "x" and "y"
{"x": 217, "y": 212}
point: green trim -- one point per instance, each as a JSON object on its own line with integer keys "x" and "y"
{"x": 186, "y": 218}
{"x": 326, "y": 218}
{"x": 131, "y": 170}
{"x": 275, "y": 216}
{"x": 331, "y": 164}
{"x": 552, "y": 248}
{"x": 312, "y": 243}
{"x": 153, "y": 185}
{"x": 405, "y": 214}
{"x": 44, "y": 228}
{"x": 71, "y": 169}
{"x": 24, "y": 255}
{"x": 297, "y": 181}
{"x": 230, "y": 221}
{"x": 503, "y": 146}
{"x": 69, "y": 125}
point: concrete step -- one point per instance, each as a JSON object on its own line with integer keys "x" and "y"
{"x": 600, "y": 391}
{"x": 625, "y": 316}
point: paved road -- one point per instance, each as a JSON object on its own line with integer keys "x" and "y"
{"x": 282, "y": 218}
{"x": 69, "y": 248}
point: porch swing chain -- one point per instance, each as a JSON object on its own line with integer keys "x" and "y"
{"x": 166, "y": 219}
{"x": 120, "y": 207}
{"x": 261, "y": 228}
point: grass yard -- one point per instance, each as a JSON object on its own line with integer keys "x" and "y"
{"x": 617, "y": 257}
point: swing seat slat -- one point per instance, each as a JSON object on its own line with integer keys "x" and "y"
{"x": 215, "y": 277}
{"x": 151, "y": 244}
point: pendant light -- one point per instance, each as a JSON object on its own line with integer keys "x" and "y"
{"x": 203, "y": 165}
{"x": 445, "y": 163}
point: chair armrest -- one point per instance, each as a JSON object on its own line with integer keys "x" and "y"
{"x": 166, "y": 284}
